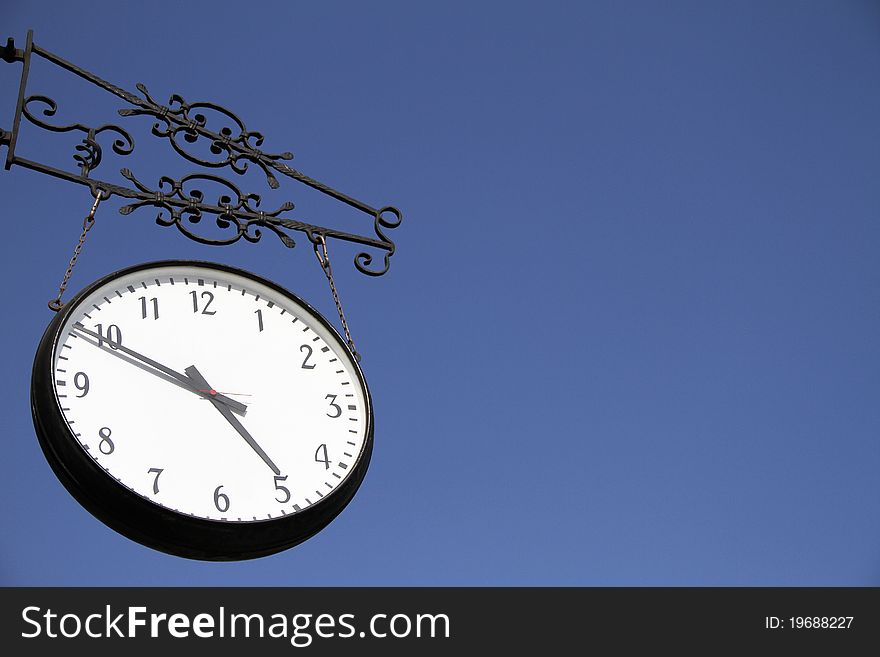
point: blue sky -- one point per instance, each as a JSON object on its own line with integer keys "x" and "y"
{"x": 630, "y": 336}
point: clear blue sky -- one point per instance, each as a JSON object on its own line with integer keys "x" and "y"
{"x": 631, "y": 333}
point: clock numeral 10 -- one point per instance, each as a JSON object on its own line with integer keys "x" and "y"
{"x": 113, "y": 337}
{"x": 106, "y": 445}
{"x": 155, "y": 303}
{"x": 221, "y": 501}
{"x": 325, "y": 459}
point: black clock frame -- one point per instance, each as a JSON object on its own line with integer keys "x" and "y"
{"x": 155, "y": 526}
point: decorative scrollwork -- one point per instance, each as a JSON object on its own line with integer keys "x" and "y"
{"x": 363, "y": 260}
{"x": 88, "y": 154}
{"x": 186, "y": 205}
{"x": 182, "y": 121}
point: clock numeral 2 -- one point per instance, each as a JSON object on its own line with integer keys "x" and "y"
{"x": 283, "y": 489}
{"x": 155, "y": 302}
{"x": 220, "y": 500}
{"x": 106, "y": 445}
{"x": 158, "y": 471}
{"x": 113, "y": 337}
{"x": 306, "y": 364}
{"x": 322, "y": 449}
{"x": 208, "y": 303}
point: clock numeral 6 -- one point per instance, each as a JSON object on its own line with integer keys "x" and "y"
{"x": 113, "y": 337}
{"x": 325, "y": 459}
{"x": 106, "y": 445}
{"x": 81, "y": 381}
{"x": 220, "y": 500}
{"x": 283, "y": 489}
{"x": 334, "y": 405}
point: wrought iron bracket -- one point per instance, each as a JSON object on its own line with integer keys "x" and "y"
{"x": 182, "y": 124}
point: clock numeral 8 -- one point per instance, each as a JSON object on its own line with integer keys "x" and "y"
{"x": 220, "y": 500}
{"x": 106, "y": 445}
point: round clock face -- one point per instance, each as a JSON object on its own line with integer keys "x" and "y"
{"x": 199, "y": 396}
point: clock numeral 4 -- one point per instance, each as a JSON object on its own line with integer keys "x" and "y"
{"x": 325, "y": 459}
{"x": 106, "y": 445}
{"x": 155, "y": 303}
{"x": 221, "y": 501}
{"x": 283, "y": 489}
{"x": 158, "y": 471}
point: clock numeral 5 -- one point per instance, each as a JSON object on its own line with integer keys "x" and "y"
{"x": 220, "y": 500}
{"x": 283, "y": 489}
{"x": 106, "y": 445}
{"x": 113, "y": 337}
{"x": 325, "y": 459}
{"x": 208, "y": 303}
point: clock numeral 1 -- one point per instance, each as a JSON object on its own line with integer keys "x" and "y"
{"x": 208, "y": 303}
{"x": 220, "y": 500}
{"x": 155, "y": 302}
{"x": 113, "y": 337}
{"x": 322, "y": 449}
{"x": 158, "y": 471}
{"x": 283, "y": 489}
{"x": 259, "y": 314}
{"x": 338, "y": 408}
{"x": 106, "y": 445}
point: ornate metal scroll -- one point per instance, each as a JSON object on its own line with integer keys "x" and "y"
{"x": 183, "y": 202}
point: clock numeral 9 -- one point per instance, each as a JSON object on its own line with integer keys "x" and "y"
{"x": 208, "y": 303}
{"x": 106, "y": 445}
{"x": 81, "y": 381}
{"x": 325, "y": 459}
{"x": 337, "y": 407}
{"x": 283, "y": 489}
{"x": 113, "y": 337}
{"x": 220, "y": 500}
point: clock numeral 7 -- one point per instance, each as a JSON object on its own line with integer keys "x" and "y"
{"x": 283, "y": 489}
{"x": 158, "y": 471}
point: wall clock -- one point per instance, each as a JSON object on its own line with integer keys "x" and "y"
{"x": 201, "y": 410}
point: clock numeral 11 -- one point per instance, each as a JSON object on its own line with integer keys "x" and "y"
{"x": 155, "y": 303}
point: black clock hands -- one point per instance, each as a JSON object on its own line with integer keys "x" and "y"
{"x": 160, "y": 370}
{"x": 194, "y": 374}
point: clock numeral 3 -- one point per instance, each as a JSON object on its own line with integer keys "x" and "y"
{"x": 325, "y": 459}
{"x": 208, "y": 303}
{"x": 308, "y": 351}
{"x": 283, "y": 489}
{"x": 81, "y": 381}
{"x": 106, "y": 445}
{"x": 158, "y": 471}
{"x": 220, "y": 500}
{"x": 155, "y": 301}
{"x": 113, "y": 337}
{"x": 338, "y": 408}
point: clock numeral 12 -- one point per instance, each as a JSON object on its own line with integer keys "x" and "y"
{"x": 208, "y": 303}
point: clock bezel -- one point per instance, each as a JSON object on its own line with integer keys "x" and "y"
{"x": 146, "y": 522}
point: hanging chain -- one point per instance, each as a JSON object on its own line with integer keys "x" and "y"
{"x": 324, "y": 258}
{"x": 56, "y": 303}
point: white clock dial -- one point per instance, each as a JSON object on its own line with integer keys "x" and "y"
{"x": 210, "y": 394}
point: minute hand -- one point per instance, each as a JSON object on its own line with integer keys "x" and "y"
{"x": 183, "y": 379}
